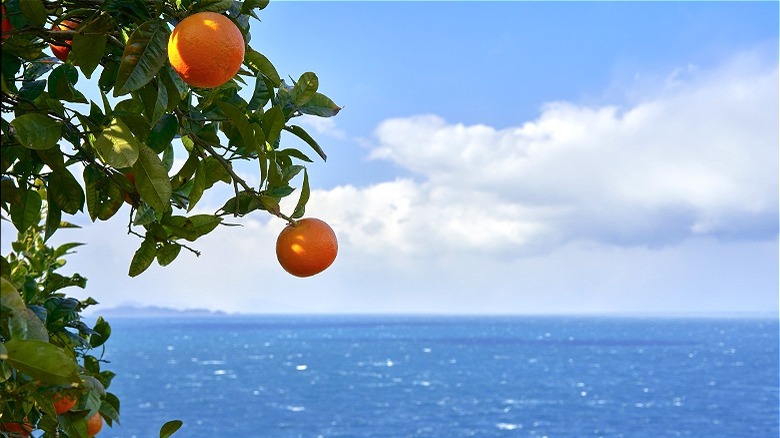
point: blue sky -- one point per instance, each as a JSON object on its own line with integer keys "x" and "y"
{"x": 509, "y": 157}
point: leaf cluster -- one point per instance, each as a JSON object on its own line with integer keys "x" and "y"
{"x": 143, "y": 118}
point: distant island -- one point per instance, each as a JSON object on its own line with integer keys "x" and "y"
{"x": 130, "y": 311}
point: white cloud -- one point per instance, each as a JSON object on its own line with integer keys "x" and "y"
{"x": 700, "y": 157}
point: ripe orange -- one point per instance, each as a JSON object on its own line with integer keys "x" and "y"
{"x": 94, "y": 424}
{"x": 7, "y": 27}
{"x": 307, "y": 247}
{"x": 20, "y": 429}
{"x": 206, "y": 49}
{"x": 63, "y": 402}
{"x": 62, "y": 52}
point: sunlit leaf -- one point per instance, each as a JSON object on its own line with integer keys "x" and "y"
{"x": 143, "y": 257}
{"x": 117, "y": 145}
{"x": 151, "y": 180}
{"x": 37, "y": 131}
{"x": 145, "y": 53}
{"x": 42, "y": 361}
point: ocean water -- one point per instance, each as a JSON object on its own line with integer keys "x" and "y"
{"x": 446, "y": 377}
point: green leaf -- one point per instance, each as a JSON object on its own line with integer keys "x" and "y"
{"x": 170, "y": 428}
{"x": 212, "y": 6}
{"x": 248, "y": 5}
{"x": 264, "y": 91}
{"x": 273, "y": 123}
{"x": 198, "y": 185}
{"x": 258, "y": 63}
{"x": 102, "y": 333}
{"x": 65, "y": 192}
{"x": 31, "y": 90}
{"x": 53, "y": 220}
{"x": 37, "y": 131}
{"x": 215, "y": 172}
{"x": 61, "y": 84}
{"x": 320, "y": 105}
{"x": 117, "y": 146}
{"x": 242, "y": 204}
{"x": 151, "y": 180}
{"x": 42, "y": 361}
{"x": 104, "y": 196}
{"x": 168, "y": 253}
{"x": 143, "y": 257}
{"x": 145, "y": 53}
{"x": 303, "y": 135}
{"x": 300, "y": 209}
{"x": 34, "y": 11}
{"x": 27, "y": 211}
{"x": 23, "y": 323}
{"x": 191, "y": 228}
{"x": 304, "y": 89}
{"x": 239, "y": 120}
{"x": 89, "y": 44}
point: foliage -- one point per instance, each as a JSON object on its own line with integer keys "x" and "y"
{"x": 142, "y": 110}
{"x": 68, "y": 150}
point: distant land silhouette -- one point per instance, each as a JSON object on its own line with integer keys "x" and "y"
{"x": 133, "y": 311}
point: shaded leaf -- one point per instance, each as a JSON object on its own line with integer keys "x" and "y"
{"x": 170, "y": 428}
{"x": 27, "y": 211}
{"x": 151, "y": 180}
{"x": 37, "y": 131}
{"x": 305, "y": 88}
{"x": 320, "y": 105}
{"x": 65, "y": 192}
{"x": 143, "y": 257}
{"x": 303, "y": 135}
{"x": 300, "y": 208}
{"x": 167, "y": 253}
{"x": 212, "y": 6}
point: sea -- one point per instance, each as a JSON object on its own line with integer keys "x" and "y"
{"x": 445, "y": 377}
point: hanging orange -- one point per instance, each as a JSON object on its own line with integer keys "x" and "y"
{"x": 306, "y": 247}
{"x": 206, "y": 49}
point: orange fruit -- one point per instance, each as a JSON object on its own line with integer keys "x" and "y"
{"x": 94, "y": 424}
{"x": 62, "y": 52}
{"x": 206, "y": 49}
{"x": 306, "y": 247}
{"x": 19, "y": 429}
{"x": 63, "y": 402}
{"x": 7, "y": 27}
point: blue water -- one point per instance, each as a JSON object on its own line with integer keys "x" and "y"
{"x": 347, "y": 376}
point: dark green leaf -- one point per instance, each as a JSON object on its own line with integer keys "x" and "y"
{"x": 320, "y": 105}
{"x": 42, "y": 361}
{"x": 211, "y": 6}
{"x": 34, "y": 11}
{"x": 273, "y": 123}
{"x": 198, "y": 185}
{"x": 170, "y": 428}
{"x": 53, "y": 220}
{"x": 31, "y": 90}
{"x": 191, "y": 228}
{"x": 145, "y": 53}
{"x": 28, "y": 211}
{"x": 65, "y": 191}
{"x": 300, "y": 209}
{"x": 102, "y": 333}
{"x": 239, "y": 120}
{"x": 104, "y": 196}
{"x": 61, "y": 84}
{"x": 304, "y": 89}
{"x": 248, "y": 5}
{"x": 89, "y": 44}
{"x": 151, "y": 180}
{"x": 37, "y": 131}
{"x": 303, "y": 135}
{"x": 258, "y": 63}
{"x": 143, "y": 257}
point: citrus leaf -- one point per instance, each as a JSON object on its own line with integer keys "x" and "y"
{"x": 303, "y": 135}
{"x": 34, "y": 11}
{"x": 300, "y": 209}
{"x": 170, "y": 428}
{"x": 198, "y": 185}
{"x": 168, "y": 253}
{"x": 151, "y": 180}
{"x": 258, "y": 63}
{"x": 248, "y": 5}
{"x": 117, "y": 146}
{"x": 65, "y": 192}
{"x": 53, "y": 221}
{"x": 143, "y": 257}
{"x": 42, "y": 361}
{"x": 23, "y": 323}
{"x": 104, "y": 196}
{"x": 27, "y": 211}
{"x": 37, "y": 131}
{"x": 145, "y": 54}
{"x": 212, "y": 6}
{"x": 273, "y": 123}
{"x": 190, "y": 228}
{"x": 304, "y": 89}
{"x": 239, "y": 120}
{"x": 102, "y": 333}
{"x": 162, "y": 133}
{"x": 320, "y": 105}
{"x": 89, "y": 43}
{"x": 61, "y": 84}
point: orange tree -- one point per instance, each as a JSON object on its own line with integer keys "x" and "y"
{"x": 68, "y": 149}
